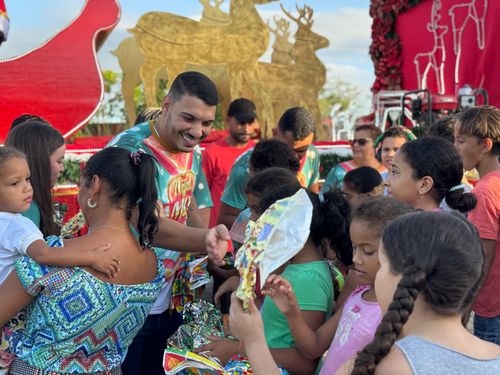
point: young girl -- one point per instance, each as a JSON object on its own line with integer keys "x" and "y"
{"x": 307, "y": 271}
{"x": 427, "y": 279}
{"x": 352, "y": 326}
{"x": 19, "y": 236}
{"x": 362, "y": 182}
{"x": 389, "y": 142}
{"x": 44, "y": 149}
{"x": 426, "y": 171}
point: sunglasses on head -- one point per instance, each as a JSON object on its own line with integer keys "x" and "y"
{"x": 360, "y": 141}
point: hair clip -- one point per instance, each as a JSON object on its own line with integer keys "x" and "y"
{"x": 457, "y": 187}
{"x": 136, "y": 156}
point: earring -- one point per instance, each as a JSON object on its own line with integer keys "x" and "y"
{"x": 91, "y": 204}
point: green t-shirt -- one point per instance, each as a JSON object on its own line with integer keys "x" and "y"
{"x": 234, "y": 191}
{"x": 313, "y": 286}
{"x": 33, "y": 214}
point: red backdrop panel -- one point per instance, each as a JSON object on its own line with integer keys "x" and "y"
{"x": 61, "y": 80}
{"x": 435, "y": 43}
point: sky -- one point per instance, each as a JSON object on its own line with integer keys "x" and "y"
{"x": 346, "y": 23}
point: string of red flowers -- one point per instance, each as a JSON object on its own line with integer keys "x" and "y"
{"x": 385, "y": 49}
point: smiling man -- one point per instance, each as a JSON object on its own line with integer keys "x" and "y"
{"x": 188, "y": 111}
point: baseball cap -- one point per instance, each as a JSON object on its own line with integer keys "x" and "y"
{"x": 242, "y": 110}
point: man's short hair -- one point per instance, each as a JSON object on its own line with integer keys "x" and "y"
{"x": 374, "y": 131}
{"x": 273, "y": 153}
{"x": 194, "y": 84}
{"x": 481, "y": 122}
{"x": 297, "y": 120}
{"x": 443, "y": 128}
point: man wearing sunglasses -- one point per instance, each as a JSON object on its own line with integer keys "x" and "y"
{"x": 363, "y": 154}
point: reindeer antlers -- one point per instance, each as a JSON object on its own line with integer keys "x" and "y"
{"x": 208, "y": 3}
{"x": 282, "y": 26}
{"x": 305, "y": 13}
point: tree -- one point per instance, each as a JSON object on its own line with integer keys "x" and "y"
{"x": 112, "y": 109}
{"x": 340, "y": 92}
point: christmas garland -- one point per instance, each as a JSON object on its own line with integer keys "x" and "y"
{"x": 385, "y": 49}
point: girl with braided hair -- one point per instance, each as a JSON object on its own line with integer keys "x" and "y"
{"x": 427, "y": 279}
{"x": 354, "y": 323}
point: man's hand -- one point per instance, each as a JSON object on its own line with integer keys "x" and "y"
{"x": 217, "y": 239}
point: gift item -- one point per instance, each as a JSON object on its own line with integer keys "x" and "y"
{"x": 201, "y": 319}
{"x": 199, "y": 274}
{"x": 271, "y": 241}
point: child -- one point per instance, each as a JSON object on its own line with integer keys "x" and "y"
{"x": 426, "y": 171}
{"x": 360, "y": 315}
{"x": 19, "y": 236}
{"x": 389, "y": 142}
{"x": 427, "y": 279}
{"x": 362, "y": 182}
{"x": 227, "y": 280}
{"x": 477, "y": 139}
{"x": 307, "y": 271}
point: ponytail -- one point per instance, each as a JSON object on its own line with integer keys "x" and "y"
{"x": 331, "y": 220}
{"x": 130, "y": 176}
{"x": 392, "y": 323}
{"x": 427, "y": 249}
{"x": 457, "y": 199}
{"x": 147, "y": 225}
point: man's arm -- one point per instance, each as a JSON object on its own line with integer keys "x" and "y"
{"x": 194, "y": 217}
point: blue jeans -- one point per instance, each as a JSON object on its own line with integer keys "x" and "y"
{"x": 145, "y": 354}
{"x": 487, "y": 329}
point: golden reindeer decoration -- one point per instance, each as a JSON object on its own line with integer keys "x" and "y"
{"x": 298, "y": 84}
{"x": 282, "y": 47}
{"x": 173, "y": 41}
{"x": 131, "y": 59}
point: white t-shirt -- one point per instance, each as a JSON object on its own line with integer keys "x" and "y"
{"x": 16, "y": 234}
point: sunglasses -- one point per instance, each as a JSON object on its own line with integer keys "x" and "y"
{"x": 360, "y": 141}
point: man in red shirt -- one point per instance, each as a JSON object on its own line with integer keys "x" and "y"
{"x": 218, "y": 157}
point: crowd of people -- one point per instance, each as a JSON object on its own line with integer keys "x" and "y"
{"x": 402, "y": 253}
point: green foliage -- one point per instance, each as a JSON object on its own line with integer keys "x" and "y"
{"x": 71, "y": 172}
{"x": 338, "y": 91}
{"x": 329, "y": 160}
{"x": 112, "y": 108}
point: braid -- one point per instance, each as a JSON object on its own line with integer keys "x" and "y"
{"x": 392, "y": 323}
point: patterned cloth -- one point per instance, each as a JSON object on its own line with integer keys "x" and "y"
{"x": 77, "y": 323}
{"x": 179, "y": 178}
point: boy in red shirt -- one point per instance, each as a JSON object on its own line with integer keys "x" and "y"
{"x": 218, "y": 157}
{"x": 477, "y": 139}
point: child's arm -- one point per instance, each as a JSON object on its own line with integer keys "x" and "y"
{"x": 75, "y": 253}
{"x": 311, "y": 344}
{"x": 249, "y": 329}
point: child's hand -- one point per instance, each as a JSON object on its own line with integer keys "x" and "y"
{"x": 246, "y": 326}
{"x": 104, "y": 261}
{"x": 281, "y": 292}
{"x": 230, "y": 285}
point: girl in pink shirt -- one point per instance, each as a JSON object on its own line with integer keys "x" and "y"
{"x": 353, "y": 325}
